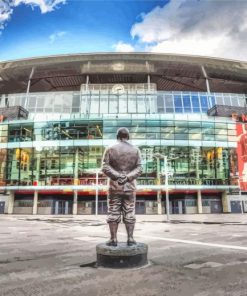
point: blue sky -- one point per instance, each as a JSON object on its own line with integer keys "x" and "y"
{"x": 30, "y": 28}
{"x": 73, "y": 27}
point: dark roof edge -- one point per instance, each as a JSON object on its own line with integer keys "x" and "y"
{"x": 197, "y": 59}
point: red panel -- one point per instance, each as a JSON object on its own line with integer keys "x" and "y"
{"x": 242, "y": 154}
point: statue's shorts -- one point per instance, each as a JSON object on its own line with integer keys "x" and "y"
{"x": 121, "y": 203}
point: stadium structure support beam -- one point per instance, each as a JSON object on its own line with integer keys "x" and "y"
{"x": 75, "y": 202}
{"x": 35, "y": 203}
{"x": 28, "y": 85}
{"x": 11, "y": 201}
{"x": 206, "y": 78}
{"x": 148, "y": 82}
{"x": 226, "y": 203}
{"x": 76, "y": 182}
{"x": 88, "y": 98}
{"x": 199, "y": 202}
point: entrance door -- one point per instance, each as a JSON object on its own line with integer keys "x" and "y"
{"x": 62, "y": 207}
{"x": 2, "y": 206}
{"x": 177, "y": 206}
{"x": 236, "y": 206}
{"x": 140, "y": 207}
{"x": 102, "y": 207}
{"x": 180, "y": 207}
{"x": 216, "y": 206}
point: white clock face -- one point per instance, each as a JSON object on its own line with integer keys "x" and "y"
{"x": 118, "y": 89}
{"x": 118, "y": 67}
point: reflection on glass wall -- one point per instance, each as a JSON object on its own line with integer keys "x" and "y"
{"x": 3, "y": 155}
{"x": 197, "y": 150}
{"x": 78, "y": 165}
{"x": 20, "y": 132}
{"x": 3, "y": 133}
{"x": 19, "y": 166}
{"x": 180, "y": 130}
{"x": 103, "y": 101}
{"x": 51, "y": 165}
{"x": 43, "y": 131}
{"x": 189, "y": 165}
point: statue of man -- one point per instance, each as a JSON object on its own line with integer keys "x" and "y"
{"x": 122, "y": 164}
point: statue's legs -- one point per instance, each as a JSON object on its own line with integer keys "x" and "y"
{"x": 114, "y": 217}
{"x": 113, "y": 231}
{"x": 129, "y": 219}
{"x": 130, "y": 230}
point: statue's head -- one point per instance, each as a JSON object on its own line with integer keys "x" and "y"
{"x": 123, "y": 134}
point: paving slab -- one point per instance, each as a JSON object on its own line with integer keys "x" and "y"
{"x": 55, "y": 256}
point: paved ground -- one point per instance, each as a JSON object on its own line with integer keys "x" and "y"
{"x": 54, "y": 256}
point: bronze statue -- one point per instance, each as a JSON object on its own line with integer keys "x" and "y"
{"x": 122, "y": 164}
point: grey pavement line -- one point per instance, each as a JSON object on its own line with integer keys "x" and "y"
{"x": 190, "y": 242}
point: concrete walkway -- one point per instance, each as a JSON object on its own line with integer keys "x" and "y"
{"x": 196, "y": 218}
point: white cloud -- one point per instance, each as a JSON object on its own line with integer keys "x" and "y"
{"x": 44, "y": 5}
{"x": 213, "y": 28}
{"x": 55, "y": 36}
{"x": 123, "y": 47}
{"x": 5, "y": 12}
{"x": 6, "y": 7}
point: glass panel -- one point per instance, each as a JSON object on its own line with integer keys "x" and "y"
{"x": 3, "y": 163}
{"x": 167, "y": 136}
{"x": 113, "y": 104}
{"x": 76, "y": 103}
{"x": 103, "y": 103}
{"x": 195, "y": 104}
{"x": 40, "y": 103}
{"x": 233, "y": 169}
{"x": 19, "y": 167}
{"x": 219, "y": 100}
{"x": 211, "y": 100}
{"x": 169, "y": 103}
{"x": 132, "y": 103}
{"x": 3, "y": 133}
{"x": 152, "y": 99}
{"x": 227, "y": 100}
{"x": 181, "y": 136}
{"x": 123, "y": 103}
{"x": 208, "y": 165}
{"x": 242, "y": 102}
{"x": 160, "y": 104}
{"x": 94, "y": 104}
{"x": 178, "y": 104}
{"x": 204, "y": 103}
{"x": 141, "y": 104}
{"x": 222, "y": 164}
{"x": 67, "y": 102}
{"x": 187, "y": 103}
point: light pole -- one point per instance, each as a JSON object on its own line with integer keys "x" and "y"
{"x": 240, "y": 179}
{"x": 97, "y": 192}
{"x": 166, "y": 186}
{"x": 158, "y": 156}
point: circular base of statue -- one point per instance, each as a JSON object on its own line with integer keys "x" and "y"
{"x": 122, "y": 256}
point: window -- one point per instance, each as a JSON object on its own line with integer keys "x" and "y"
{"x": 187, "y": 103}
{"x": 195, "y": 104}
{"x": 204, "y": 103}
{"x": 160, "y": 104}
{"x": 169, "y": 103}
{"x": 178, "y": 104}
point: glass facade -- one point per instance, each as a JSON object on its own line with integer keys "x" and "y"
{"x": 105, "y": 101}
{"x": 70, "y": 152}
{"x": 58, "y": 151}
{"x": 50, "y": 163}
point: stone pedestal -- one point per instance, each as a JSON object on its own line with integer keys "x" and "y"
{"x": 122, "y": 256}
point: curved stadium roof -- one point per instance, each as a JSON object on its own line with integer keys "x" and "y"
{"x": 168, "y": 71}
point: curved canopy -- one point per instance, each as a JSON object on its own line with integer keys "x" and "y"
{"x": 170, "y": 72}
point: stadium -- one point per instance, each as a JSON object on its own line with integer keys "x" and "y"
{"x": 185, "y": 113}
